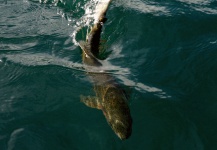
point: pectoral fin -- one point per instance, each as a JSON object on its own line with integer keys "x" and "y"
{"x": 91, "y": 101}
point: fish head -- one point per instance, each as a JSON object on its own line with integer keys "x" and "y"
{"x": 122, "y": 128}
{"x": 117, "y": 112}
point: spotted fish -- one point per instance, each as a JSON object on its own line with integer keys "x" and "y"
{"x": 110, "y": 97}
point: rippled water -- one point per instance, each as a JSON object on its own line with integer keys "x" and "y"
{"x": 164, "y": 52}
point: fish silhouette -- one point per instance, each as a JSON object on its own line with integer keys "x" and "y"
{"x": 110, "y": 97}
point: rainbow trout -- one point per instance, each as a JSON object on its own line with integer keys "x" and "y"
{"x": 110, "y": 97}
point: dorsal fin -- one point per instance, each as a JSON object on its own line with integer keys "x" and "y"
{"x": 86, "y": 48}
{"x": 82, "y": 44}
{"x": 88, "y": 57}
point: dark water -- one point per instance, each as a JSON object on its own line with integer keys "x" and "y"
{"x": 164, "y": 52}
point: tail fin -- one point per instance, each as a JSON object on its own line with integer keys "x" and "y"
{"x": 101, "y": 10}
{"x": 93, "y": 38}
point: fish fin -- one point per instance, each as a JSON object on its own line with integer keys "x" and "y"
{"x": 91, "y": 101}
{"x": 82, "y": 44}
{"x": 85, "y": 48}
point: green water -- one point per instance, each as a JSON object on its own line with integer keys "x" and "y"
{"x": 163, "y": 52}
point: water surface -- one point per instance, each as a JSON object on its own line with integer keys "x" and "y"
{"x": 164, "y": 53}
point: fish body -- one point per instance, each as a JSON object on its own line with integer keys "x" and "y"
{"x": 112, "y": 100}
{"x": 110, "y": 97}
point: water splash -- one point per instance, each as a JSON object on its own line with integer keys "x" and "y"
{"x": 92, "y": 10}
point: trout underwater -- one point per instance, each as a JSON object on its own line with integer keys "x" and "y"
{"x": 110, "y": 97}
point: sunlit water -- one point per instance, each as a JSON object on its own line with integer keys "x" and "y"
{"x": 163, "y": 53}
